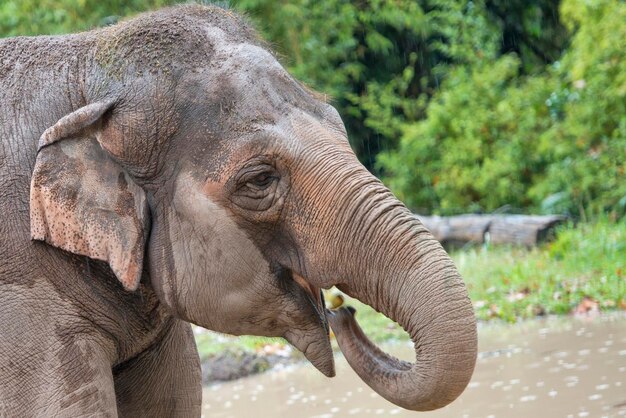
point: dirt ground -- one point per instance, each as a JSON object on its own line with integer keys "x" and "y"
{"x": 557, "y": 367}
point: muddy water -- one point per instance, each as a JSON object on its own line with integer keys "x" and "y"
{"x": 548, "y": 368}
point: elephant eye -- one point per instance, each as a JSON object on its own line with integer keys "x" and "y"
{"x": 255, "y": 187}
{"x": 261, "y": 181}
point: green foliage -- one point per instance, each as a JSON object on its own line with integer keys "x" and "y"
{"x": 552, "y": 141}
{"x": 213, "y": 343}
{"x": 585, "y": 150}
{"x": 474, "y": 150}
{"x": 39, "y": 17}
{"x": 531, "y": 29}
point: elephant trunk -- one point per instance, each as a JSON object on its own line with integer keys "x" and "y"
{"x": 399, "y": 269}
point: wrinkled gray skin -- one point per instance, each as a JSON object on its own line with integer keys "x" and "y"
{"x": 168, "y": 171}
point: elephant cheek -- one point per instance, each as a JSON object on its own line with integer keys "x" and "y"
{"x": 186, "y": 273}
{"x": 202, "y": 263}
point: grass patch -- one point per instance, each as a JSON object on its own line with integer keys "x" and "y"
{"x": 212, "y": 343}
{"x": 584, "y": 263}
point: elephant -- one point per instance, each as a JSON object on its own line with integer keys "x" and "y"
{"x": 168, "y": 170}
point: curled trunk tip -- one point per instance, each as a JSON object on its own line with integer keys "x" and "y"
{"x": 445, "y": 348}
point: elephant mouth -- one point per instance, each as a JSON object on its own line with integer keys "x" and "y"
{"x": 316, "y": 299}
{"x": 314, "y": 340}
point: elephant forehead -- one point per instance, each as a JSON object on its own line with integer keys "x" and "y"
{"x": 320, "y": 136}
{"x": 256, "y": 76}
{"x": 252, "y": 80}
{"x": 227, "y": 50}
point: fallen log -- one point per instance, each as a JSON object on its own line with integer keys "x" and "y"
{"x": 528, "y": 230}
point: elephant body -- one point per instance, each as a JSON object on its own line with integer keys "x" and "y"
{"x": 73, "y": 341}
{"x": 167, "y": 170}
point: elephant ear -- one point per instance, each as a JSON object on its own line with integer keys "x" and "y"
{"x": 84, "y": 202}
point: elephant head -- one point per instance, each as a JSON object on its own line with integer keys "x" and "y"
{"x": 198, "y": 164}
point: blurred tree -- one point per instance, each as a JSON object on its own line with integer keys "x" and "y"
{"x": 553, "y": 141}
{"x": 37, "y": 17}
{"x": 475, "y": 150}
{"x": 585, "y": 150}
{"x": 532, "y": 29}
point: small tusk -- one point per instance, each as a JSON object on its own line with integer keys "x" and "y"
{"x": 334, "y": 301}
